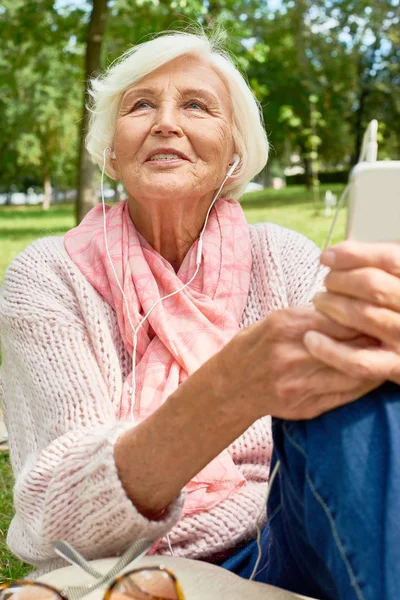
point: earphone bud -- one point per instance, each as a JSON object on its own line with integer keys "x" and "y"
{"x": 236, "y": 161}
{"x": 112, "y": 153}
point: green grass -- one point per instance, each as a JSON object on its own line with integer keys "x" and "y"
{"x": 292, "y": 207}
{"x": 21, "y": 225}
{"x": 10, "y": 567}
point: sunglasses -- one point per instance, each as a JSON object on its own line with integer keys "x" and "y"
{"x": 152, "y": 583}
{"x": 147, "y": 583}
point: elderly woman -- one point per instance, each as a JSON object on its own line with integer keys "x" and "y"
{"x": 208, "y": 310}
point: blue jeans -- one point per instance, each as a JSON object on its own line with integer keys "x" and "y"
{"x": 333, "y": 527}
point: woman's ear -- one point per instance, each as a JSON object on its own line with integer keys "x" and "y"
{"x": 233, "y": 164}
{"x": 114, "y": 164}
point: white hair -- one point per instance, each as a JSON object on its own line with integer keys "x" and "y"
{"x": 249, "y": 136}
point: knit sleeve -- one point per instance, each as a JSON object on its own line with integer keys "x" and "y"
{"x": 303, "y": 274}
{"x": 62, "y": 428}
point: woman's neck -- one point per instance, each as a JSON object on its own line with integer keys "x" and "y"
{"x": 170, "y": 233}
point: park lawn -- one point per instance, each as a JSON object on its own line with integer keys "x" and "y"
{"x": 292, "y": 207}
{"x": 10, "y": 567}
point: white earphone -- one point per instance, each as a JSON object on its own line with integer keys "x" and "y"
{"x": 236, "y": 161}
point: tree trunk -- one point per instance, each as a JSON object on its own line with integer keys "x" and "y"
{"x": 298, "y": 21}
{"x": 266, "y": 175}
{"x": 213, "y": 11}
{"x": 304, "y": 154}
{"x": 358, "y": 126}
{"x": 87, "y": 170}
{"x": 47, "y": 192}
{"x": 307, "y": 172}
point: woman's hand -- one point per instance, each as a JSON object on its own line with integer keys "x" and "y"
{"x": 363, "y": 291}
{"x": 266, "y": 369}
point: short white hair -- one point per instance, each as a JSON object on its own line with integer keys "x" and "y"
{"x": 249, "y": 136}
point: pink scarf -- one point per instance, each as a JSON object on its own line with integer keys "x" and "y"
{"x": 188, "y": 328}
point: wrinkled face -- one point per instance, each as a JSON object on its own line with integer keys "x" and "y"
{"x": 173, "y": 134}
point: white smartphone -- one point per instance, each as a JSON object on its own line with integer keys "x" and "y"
{"x": 374, "y": 202}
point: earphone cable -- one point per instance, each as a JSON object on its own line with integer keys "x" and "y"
{"x": 310, "y": 291}
{"x": 198, "y": 263}
{"x": 258, "y": 524}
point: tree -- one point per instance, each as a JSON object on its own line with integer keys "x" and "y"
{"x": 39, "y": 81}
{"x": 372, "y": 40}
{"x": 87, "y": 171}
{"x": 345, "y": 52}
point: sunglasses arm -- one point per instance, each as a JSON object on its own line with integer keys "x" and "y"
{"x": 68, "y": 553}
{"x": 138, "y": 549}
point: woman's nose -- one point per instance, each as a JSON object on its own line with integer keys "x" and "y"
{"x": 166, "y": 122}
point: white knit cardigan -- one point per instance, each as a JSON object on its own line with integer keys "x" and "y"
{"x": 64, "y": 364}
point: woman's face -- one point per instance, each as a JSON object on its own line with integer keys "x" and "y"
{"x": 173, "y": 135}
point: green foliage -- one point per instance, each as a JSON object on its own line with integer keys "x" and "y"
{"x": 343, "y": 54}
{"x": 40, "y": 92}
{"x": 334, "y": 50}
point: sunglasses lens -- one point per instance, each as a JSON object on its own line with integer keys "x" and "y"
{"x": 145, "y": 585}
{"x": 28, "y": 592}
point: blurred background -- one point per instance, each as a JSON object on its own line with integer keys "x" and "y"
{"x": 336, "y": 58}
{"x": 321, "y": 70}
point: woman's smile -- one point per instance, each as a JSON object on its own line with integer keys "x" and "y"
{"x": 166, "y": 158}
{"x": 166, "y": 161}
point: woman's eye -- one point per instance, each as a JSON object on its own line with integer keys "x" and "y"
{"x": 141, "y": 104}
{"x": 196, "y": 105}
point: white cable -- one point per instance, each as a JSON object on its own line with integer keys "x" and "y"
{"x": 198, "y": 263}
{"x": 369, "y": 152}
{"x": 169, "y": 545}
{"x": 258, "y": 524}
{"x": 309, "y": 294}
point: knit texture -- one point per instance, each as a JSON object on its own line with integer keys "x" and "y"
{"x": 64, "y": 364}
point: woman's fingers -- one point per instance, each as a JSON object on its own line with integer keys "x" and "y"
{"x": 374, "y": 363}
{"x": 370, "y": 284}
{"x": 329, "y": 402}
{"x": 338, "y": 391}
{"x": 355, "y": 255}
{"x": 331, "y": 327}
{"x": 330, "y": 380}
{"x": 293, "y": 323}
{"x": 375, "y": 321}
{"x": 299, "y": 388}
